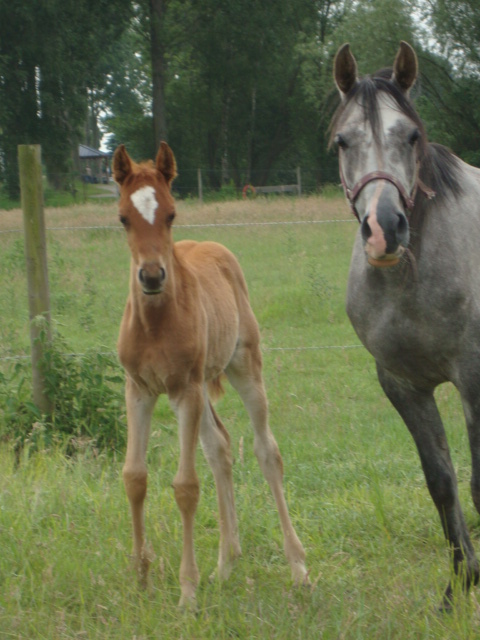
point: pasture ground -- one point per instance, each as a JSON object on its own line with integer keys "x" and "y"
{"x": 377, "y": 558}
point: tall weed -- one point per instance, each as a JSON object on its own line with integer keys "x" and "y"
{"x": 86, "y": 393}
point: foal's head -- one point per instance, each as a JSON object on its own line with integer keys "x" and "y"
{"x": 147, "y": 211}
{"x": 381, "y": 140}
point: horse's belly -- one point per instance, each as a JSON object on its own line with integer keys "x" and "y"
{"x": 222, "y": 340}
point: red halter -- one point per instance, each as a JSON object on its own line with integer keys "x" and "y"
{"x": 408, "y": 199}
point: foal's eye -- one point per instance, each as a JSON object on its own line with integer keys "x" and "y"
{"x": 170, "y": 218}
{"x": 123, "y": 220}
{"x": 340, "y": 141}
{"x": 413, "y": 137}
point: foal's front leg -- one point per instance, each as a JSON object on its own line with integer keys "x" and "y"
{"x": 140, "y": 407}
{"x": 188, "y": 406}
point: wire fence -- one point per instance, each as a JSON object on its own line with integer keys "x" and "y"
{"x": 233, "y": 225}
{"x": 112, "y": 227}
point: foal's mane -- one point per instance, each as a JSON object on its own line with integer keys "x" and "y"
{"x": 439, "y": 167}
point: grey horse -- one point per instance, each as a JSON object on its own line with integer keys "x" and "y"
{"x": 414, "y": 283}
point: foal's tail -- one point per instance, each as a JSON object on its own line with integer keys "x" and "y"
{"x": 215, "y": 387}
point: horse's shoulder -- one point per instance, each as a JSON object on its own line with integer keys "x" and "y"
{"x": 204, "y": 252}
{"x": 211, "y": 262}
{"x": 182, "y": 247}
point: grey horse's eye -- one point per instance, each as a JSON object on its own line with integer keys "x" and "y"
{"x": 413, "y": 137}
{"x": 340, "y": 141}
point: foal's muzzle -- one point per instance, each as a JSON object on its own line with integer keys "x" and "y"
{"x": 151, "y": 278}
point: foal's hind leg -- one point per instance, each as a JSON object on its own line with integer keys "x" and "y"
{"x": 245, "y": 375}
{"x": 216, "y": 447}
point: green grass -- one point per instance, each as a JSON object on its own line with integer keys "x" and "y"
{"x": 378, "y": 562}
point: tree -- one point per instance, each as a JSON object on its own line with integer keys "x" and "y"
{"x": 157, "y": 48}
{"x": 450, "y": 103}
{"x": 456, "y": 24}
{"x": 50, "y": 53}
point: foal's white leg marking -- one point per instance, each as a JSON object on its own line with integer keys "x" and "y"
{"x": 244, "y": 373}
{"x": 189, "y": 408}
{"x": 145, "y": 202}
{"x": 139, "y": 414}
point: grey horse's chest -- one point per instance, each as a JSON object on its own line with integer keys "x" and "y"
{"x": 413, "y": 330}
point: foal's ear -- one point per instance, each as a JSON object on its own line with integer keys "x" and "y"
{"x": 405, "y": 67}
{"x": 345, "y": 70}
{"x": 122, "y": 165}
{"x": 166, "y": 163}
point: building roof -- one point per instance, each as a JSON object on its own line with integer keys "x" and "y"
{"x": 89, "y": 153}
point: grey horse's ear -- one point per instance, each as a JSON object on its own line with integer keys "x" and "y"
{"x": 345, "y": 70}
{"x": 405, "y": 67}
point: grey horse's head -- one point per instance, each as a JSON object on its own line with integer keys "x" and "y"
{"x": 381, "y": 140}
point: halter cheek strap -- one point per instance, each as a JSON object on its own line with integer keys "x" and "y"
{"x": 407, "y": 199}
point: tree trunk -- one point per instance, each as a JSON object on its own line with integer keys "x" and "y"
{"x": 251, "y": 136}
{"x": 157, "y": 51}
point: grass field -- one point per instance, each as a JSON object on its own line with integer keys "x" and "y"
{"x": 378, "y": 562}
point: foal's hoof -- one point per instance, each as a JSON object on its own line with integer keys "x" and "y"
{"x": 221, "y": 574}
{"x": 142, "y": 566}
{"x": 226, "y": 564}
{"x": 188, "y": 603}
{"x": 300, "y": 575}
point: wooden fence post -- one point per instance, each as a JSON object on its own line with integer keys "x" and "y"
{"x": 30, "y": 168}
{"x": 299, "y": 182}
{"x": 200, "y": 184}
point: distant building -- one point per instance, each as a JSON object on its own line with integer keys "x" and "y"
{"x": 94, "y": 164}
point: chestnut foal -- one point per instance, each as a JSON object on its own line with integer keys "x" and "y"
{"x": 187, "y": 321}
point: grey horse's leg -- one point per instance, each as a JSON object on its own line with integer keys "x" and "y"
{"x": 469, "y": 388}
{"x": 418, "y": 409}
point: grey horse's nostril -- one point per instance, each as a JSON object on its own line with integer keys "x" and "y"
{"x": 402, "y": 227}
{"x": 366, "y": 231}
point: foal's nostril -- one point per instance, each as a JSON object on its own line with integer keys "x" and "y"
{"x": 151, "y": 279}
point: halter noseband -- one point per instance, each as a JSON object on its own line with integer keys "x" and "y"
{"x": 408, "y": 199}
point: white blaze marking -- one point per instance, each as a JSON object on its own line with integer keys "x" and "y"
{"x": 376, "y": 243}
{"x": 145, "y": 202}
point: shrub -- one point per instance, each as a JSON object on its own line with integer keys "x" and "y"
{"x": 87, "y": 397}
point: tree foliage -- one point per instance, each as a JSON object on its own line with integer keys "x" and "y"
{"x": 448, "y": 90}
{"x": 51, "y": 53}
{"x": 240, "y": 88}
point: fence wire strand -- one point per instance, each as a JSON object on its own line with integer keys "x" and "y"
{"x": 198, "y": 226}
{"x": 193, "y": 226}
{"x": 264, "y": 349}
